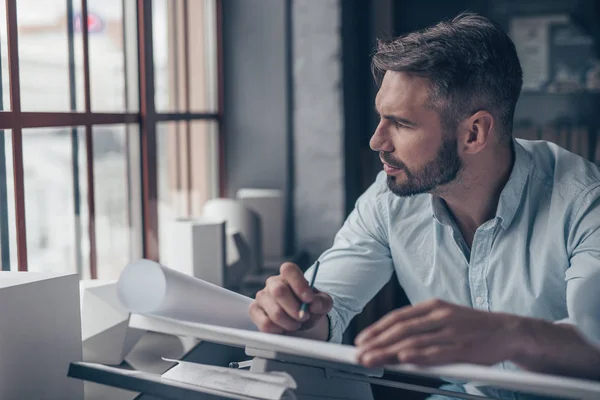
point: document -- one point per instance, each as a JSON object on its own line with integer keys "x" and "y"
{"x": 271, "y": 386}
{"x": 317, "y": 349}
{"x": 147, "y": 287}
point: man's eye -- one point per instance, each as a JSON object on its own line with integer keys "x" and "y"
{"x": 399, "y": 125}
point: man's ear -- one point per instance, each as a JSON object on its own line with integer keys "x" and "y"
{"x": 476, "y": 132}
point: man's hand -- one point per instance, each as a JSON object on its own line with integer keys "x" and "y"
{"x": 436, "y": 332}
{"x": 276, "y": 307}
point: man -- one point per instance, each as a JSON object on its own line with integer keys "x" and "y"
{"x": 489, "y": 236}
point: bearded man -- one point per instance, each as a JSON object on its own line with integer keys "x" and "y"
{"x": 489, "y": 236}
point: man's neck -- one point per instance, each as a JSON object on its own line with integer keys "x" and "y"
{"x": 475, "y": 198}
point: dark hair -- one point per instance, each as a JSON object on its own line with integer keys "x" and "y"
{"x": 470, "y": 61}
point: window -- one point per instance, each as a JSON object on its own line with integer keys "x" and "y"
{"x": 109, "y": 129}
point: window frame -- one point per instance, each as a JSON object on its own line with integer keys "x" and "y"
{"x": 146, "y": 118}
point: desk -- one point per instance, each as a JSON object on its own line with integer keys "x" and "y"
{"x": 327, "y": 369}
{"x": 408, "y": 387}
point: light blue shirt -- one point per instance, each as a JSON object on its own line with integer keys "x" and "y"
{"x": 528, "y": 260}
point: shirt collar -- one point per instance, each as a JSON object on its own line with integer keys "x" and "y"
{"x": 510, "y": 197}
{"x": 439, "y": 211}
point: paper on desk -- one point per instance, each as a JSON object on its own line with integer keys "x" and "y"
{"x": 238, "y": 337}
{"x": 146, "y": 287}
{"x": 270, "y": 386}
{"x": 277, "y": 377}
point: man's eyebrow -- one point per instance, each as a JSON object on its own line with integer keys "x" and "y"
{"x": 396, "y": 118}
{"x": 403, "y": 121}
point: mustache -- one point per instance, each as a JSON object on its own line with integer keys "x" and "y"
{"x": 389, "y": 160}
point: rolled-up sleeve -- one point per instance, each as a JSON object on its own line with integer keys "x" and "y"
{"x": 584, "y": 243}
{"x": 359, "y": 263}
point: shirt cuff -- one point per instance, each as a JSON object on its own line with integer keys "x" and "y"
{"x": 565, "y": 321}
{"x": 335, "y": 330}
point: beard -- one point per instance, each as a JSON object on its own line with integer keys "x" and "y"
{"x": 443, "y": 169}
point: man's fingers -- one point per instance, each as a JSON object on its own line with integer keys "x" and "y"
{"x": 419, "y": 341}
{"x": 321, "y": 304}
{"x": 379, "y": 357}
{"x": 294, "y": 277}
{"x": 433, "y": 355}
{"x": 393, "y": 317}
{"x": 276, "y": 313}
{"x": 399, "y": 332}
{"x": 262, "y": 321}
{"x": 276, "y": 308}
{"x": 414, "y": 345}
{"x": 280, "y": 292}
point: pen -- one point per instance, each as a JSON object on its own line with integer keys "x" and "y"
{"x": 304, "y": 306}
{"x": 240, "y": 364}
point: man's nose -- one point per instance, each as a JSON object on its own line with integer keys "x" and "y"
{"x": 380, "y": 140}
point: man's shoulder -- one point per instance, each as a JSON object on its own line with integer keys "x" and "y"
{"x": 560, "y": 171}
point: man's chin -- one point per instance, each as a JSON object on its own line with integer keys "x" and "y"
{"x": 404, "y": 188}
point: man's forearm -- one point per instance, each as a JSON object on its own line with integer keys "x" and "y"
{"x": 555, "y": 349}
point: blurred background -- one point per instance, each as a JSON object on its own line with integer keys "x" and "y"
{"x": 112, "y": 133}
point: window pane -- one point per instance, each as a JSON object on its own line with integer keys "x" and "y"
{"x": 204, "y": 145}
{"x": 170, "y": 54}
{"x": 118, "y": 204}
{"x": 202, "y": 19}
{"x": 55, "y": 200}
{"x": 187, "y": 173}
{"x": 110, "y": 54}
{"x": 44, "y": 55}
{"x": 167, "y": 31}
{"x": 8, "y": 230}
{"x": 171, "y": 184}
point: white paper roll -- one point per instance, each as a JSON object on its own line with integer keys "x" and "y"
{"x": 146, "y": 287}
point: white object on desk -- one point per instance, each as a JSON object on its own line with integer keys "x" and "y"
{"x": 105, "y": 332}
{"x": 149, "y": 352}
{"x": 40, "y": 335}
{"x": 146, "y": 287}
{"x": 198, "y": 248}
{"x": 239, "y": 258}
{"x": 271, "y": 386}
{"x": 242, "y": 219}
{"x": 269, "y": 205}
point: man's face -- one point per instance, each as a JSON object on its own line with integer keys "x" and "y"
{"x": 417, "y": 155}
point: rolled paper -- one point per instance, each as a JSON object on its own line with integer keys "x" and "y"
{"x": 147, "y": 287}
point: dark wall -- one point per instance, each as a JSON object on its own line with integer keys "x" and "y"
{"x": 257, "y": 98}
{"x": 412, "y": 15}
{"x": 256, "y": 75}
{"x": 358, "y": 93}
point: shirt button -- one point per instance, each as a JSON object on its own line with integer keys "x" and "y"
{"x": 479, "y": 300}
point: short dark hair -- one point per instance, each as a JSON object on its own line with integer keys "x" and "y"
{"x": 471, "y": 62}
